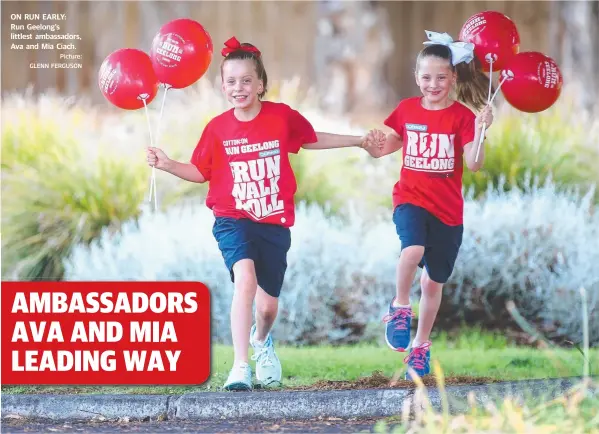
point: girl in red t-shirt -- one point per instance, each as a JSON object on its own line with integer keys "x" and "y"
{"x": 435, "y": 133}
{"x": 244, "y": 154}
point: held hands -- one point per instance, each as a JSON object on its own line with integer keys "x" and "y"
{"x": 374, "y": 141}
{"x": 156, "y": 158}
{"x": 485, "y": 117}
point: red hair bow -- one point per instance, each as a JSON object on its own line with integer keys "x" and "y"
{"x": 233, "y": 45}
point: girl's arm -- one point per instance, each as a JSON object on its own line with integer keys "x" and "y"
{"x": 470, "y": 153}
{"x": 187, "y": 171}
{"x": 331, "y": 141}
{"x": 392, "y": 143}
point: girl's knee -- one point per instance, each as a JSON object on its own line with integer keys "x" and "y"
{"x": 424, "y": 278}
{"x": 266, "y": 310}
{"x": 412, "y": 254}
{"x": 266, "y": 306}
{"x": 428, "y": 285}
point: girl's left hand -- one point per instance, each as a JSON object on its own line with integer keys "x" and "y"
{"x": 374, "y": 142}
{"x": 485, "y": 117}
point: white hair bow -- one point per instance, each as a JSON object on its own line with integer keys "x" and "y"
{"x": 460, "y": 51}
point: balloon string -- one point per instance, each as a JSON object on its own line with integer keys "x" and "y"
{"x": 480, "y": 142}
{"x": 148, "y": 121}
{"x": 490, "y": 79}
{"x": 489, "y": 101}
{"x": 482, "y": 136}
{"x": 499, "y": 87}
{"x": 153, "y": 177}
{"x": 158, "y": 130}
{"x": 153, "y": 187}
{"x": 166, "y": 88}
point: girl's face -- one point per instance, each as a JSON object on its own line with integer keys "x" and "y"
{"x": 435, "y": 79}
{"x": 240, "y": 83}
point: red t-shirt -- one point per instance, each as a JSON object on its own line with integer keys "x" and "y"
{"x": 433, "y": 146}
{"x": 247, "y": 163}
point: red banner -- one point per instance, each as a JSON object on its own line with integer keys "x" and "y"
{"x": 93, "y": 333}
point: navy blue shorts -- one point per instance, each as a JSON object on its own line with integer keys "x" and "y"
{"x": 418, "y": 227}
{"x": 266, "y": 244}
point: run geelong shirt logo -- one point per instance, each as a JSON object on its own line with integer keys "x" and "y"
{"x": 426, "y": 152}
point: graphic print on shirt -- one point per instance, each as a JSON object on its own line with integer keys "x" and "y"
{"x": 428, "y": 152}
{"x": 256, "y": 181}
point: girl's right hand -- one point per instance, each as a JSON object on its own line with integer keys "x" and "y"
{"x": 156, "y": 158}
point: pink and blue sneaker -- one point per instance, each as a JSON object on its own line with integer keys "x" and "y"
{"x": 419, "y": 360}
{"x": 397, "y": 330}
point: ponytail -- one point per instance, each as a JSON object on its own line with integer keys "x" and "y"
{"x": 472, "y": 84}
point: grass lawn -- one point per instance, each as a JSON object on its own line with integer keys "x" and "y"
{"x": 472, "y": 354}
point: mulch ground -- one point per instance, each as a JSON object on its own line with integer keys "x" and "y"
{"x": 379, "y": 381}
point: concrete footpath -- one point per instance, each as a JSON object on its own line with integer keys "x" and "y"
{"x": 268, "y": 405}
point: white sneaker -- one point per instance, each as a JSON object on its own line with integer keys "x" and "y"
{"x": 268, "y": 366}
{"x": 240, "y": 377}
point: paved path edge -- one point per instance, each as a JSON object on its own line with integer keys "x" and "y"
{"x": 264, "y": 405}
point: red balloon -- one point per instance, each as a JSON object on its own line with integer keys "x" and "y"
{"x": 126, "y": 79}
{"x": 181, "y": 52}
{"x": 534, "y": 82}
{"x": 494, "y": 35}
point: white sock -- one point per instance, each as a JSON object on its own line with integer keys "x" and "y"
{"x": 416, "y": 344}
{"x": 400, "y": 305}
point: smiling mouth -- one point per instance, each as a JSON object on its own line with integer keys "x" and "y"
{"x": 240, "y": 97}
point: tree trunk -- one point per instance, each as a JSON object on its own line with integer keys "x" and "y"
{"x": 352, "y": 47}
{"x": 577, "y": 51}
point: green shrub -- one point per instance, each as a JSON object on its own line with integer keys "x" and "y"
{"x": 554, "y": 143}
{"x": 56, "y": 194}
{"x": 328, "y": 178}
